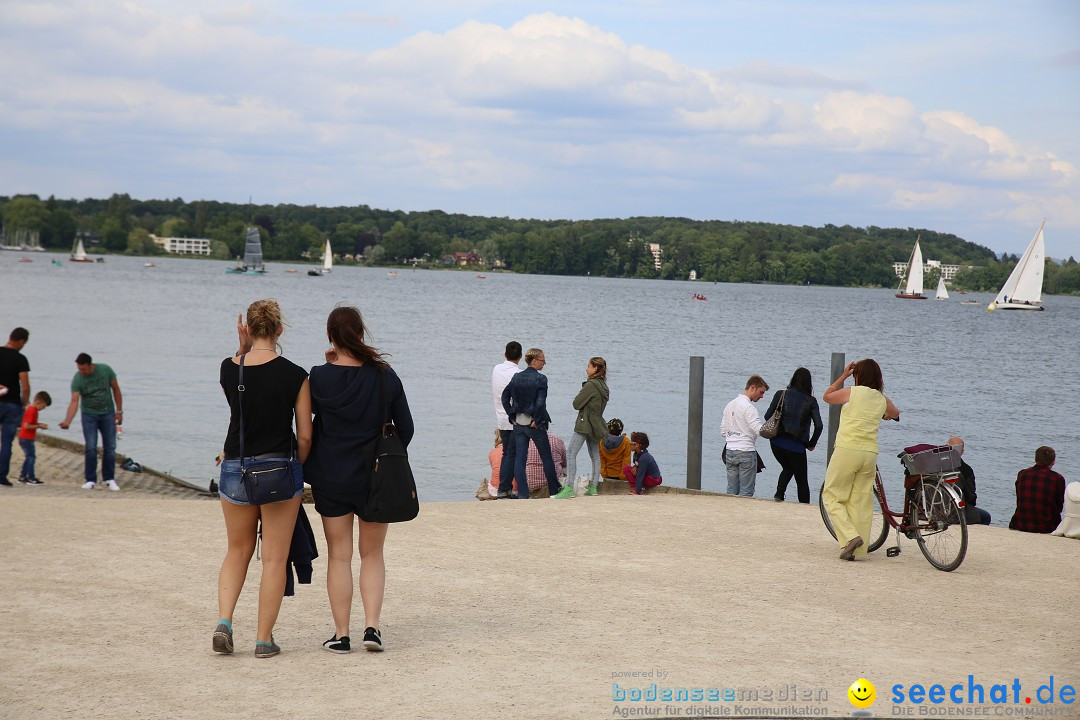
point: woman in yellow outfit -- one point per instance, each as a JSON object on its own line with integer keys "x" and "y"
{"x": 849, "y": 480}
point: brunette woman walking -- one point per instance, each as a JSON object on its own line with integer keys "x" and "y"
{"x": 345, "y": 396}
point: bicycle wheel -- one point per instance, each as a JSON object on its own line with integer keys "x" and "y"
{"x": 939, "y": 525}
{"x": 879, "y": 529}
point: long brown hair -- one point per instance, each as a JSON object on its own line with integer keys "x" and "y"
{"x": 345, "y": 328}
{"x": 601, "y": 367}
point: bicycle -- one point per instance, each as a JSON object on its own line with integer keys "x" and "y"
{"x": 933, "y": 513}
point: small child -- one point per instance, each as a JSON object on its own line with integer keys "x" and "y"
{"x": 644, "y": 473}
{"x": 614, "y": 452}
{"x": 28, "y": 436}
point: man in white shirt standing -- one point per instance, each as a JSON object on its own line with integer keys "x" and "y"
{"x": 740, "y": 428}
{"x": 500, "y": 378}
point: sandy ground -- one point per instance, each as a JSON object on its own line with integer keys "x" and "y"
{"x": 520, "y": 610}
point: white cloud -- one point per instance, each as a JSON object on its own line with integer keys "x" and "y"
{"x": 547, "y": 107}
{"x": 765, "y": 72}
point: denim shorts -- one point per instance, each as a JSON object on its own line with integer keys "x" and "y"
{"x": 231, "y": 486}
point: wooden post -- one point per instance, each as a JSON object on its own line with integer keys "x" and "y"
{"x": 838, "y": 363}
{"x": 694, "y": 422}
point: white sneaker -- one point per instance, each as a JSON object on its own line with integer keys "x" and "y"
{"x": 112, "y": 486}
{"x": 89, "y": 485}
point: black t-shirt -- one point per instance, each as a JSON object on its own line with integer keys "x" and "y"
{"x": 270, "y": 392}
{"x": 12, "y": 362}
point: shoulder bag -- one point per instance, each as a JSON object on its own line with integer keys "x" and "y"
{"x": 265, "y": 481}
{"x": 771, "y": 428}
{"x": 391, "y": 486}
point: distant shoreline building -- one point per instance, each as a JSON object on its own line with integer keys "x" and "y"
{"x": 948, "y": 272}
{"x": 654, "y": 248}
{"x": 183, "y": 246}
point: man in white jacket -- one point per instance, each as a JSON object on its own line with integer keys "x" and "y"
{"x": 740, "y": 427}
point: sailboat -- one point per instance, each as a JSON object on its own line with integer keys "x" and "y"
{"x": 1023, "y": 289}
{"x": 252, "y": 264}
{"x": 78, "y": 252}
{"x": 914, "y": 289}
{"x": 327, "y": 261}
{"x": 942, "y": 293}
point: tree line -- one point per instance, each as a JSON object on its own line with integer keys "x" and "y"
{"x": 724, "y": 251}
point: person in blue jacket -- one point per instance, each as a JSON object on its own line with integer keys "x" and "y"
{"x": 644, "y": 473}
{"x": 525, "y": 401}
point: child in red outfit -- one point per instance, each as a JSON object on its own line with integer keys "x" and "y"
{"x": 28, "y": 436}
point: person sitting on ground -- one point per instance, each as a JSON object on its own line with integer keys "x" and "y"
{"x": 534, "y": 466}
{"x": 1040, "y": 495}
{"x": 495, "y": 460}
{"x": 974, "y": 515}
{"x": 614, "y": 451}
{"x": 644, "y": 473}
{"x": 1070, "y": 524}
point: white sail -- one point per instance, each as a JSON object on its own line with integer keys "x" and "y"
{"x": 915, "y": 272}
{"x": 942, "y": 293}
{"x": 78, "y": 252}
{"x": 327, "y": 258}
{"x": 1024, "y": 286}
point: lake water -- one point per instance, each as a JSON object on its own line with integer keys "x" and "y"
{"x": 1005, "y": 381}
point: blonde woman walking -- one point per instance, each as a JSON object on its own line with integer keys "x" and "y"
{"x": 275, "y": 396}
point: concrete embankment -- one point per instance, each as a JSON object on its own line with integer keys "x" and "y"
{"x": 546, "y": 609}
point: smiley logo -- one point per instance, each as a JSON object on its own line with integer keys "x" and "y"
{"x": 862, "y": 693}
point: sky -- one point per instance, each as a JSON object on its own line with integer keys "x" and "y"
{"x": 960, "y": 117}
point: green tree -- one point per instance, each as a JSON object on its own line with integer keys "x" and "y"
{"x": 60, "y": 228}
{"x": 219, "y": 250}
{"x": 398, "y": 242}
{"x": 113, "y": 235}
{"x": 140, "y": 243}
{"x": 26, "y": 212}
{"x": 375, "y": 255}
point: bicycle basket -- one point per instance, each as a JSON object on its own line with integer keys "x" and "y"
{"x": 934, "y": 460}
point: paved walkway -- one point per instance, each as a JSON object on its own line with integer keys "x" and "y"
{"x": 60, "y": 464}
{"x": 546, "y": 609}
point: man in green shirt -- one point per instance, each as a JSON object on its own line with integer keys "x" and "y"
{"x": 96, "y": 386}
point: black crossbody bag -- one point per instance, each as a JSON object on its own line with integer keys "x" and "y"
{"x": 391, "y": 486}
{"x": 265, "y": 481}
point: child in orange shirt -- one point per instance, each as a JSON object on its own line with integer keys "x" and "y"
{"x": 28, "y": 436}
{"x": 614, "y": 451}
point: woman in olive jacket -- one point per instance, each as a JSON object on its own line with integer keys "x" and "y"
{"x": 589, "y": 428}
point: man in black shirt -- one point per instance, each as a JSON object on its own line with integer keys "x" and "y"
{"x": 14, "y": 395}
{"x": 974, "y": 515}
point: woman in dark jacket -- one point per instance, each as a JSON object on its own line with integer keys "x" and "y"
{"x": 794, "y": 439}
{"x": 345, "y": 400}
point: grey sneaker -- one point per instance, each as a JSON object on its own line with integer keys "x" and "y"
{"x": 223, "y": 639}
{"x": 266, "y": 650}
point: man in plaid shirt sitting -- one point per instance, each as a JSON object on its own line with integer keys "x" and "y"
{"x": 1040, "y": 495}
